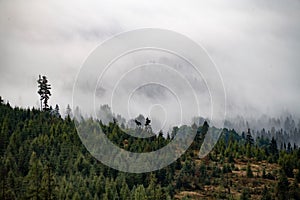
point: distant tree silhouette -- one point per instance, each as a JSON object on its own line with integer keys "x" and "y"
{"x": 137, "y": 122}
{"x": 249, "y": 138}
{"x": 44, "y": 92}
{"x": 148, "y": 121}
{"x": 69, "y": 111}
{"x": 56, "y": 111}
{"x": 273, "y": 146}
{"x": 204, "y": 127}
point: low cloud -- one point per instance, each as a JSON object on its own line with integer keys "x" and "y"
{"x": 255, "y": 45}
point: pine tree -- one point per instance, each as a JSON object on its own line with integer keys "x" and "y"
{"x": 44, "y": 92}
{"x": 48, "y": 183}
{"x": 273, "y": 147}
{"x": 124, "y": 192}
{"x": 76, "y": 196}
{"x": 249, "y": 138}
{"x": 34, "y": 178}
{"x": 56, "y": 111}
{"x": 282, "y": 187}
{"x": 264, "y": 173}
{"x": 273, "y": 150}
{"x": 69, "y": 111}
{"x": 111, "y": 192}
{"x": 3, "y": 178}
{"x": 266, "y": 194}
{"x": 139, "y": 193}
{"x": 151, "y": 193}
{"x": 100, "y": 185}
{"x": 245, "y": 195}
{"x": 294, "y": 190}
{"x": 249, "y": 171}
{"x": 4, "y": 135}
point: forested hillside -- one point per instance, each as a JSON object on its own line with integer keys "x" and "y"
{"x": 42, "y": 157}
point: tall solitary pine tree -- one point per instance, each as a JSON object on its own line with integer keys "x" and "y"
{"x": 44, "y": 92}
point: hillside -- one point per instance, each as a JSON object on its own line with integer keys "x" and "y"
{"x": 42, "y": 157}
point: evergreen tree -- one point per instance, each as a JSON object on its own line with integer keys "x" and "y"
{"x": 56, "y": 111}
{"x": 3, "y": 180}
{"x": 139, "y": 193}
{"x": 110, "y": 190}
{"x": 69, "y": 111}
{"x": 44, "y": 92}
{"x": 34, "y": 178}
{"x": 273, "y": 147}
{"x": 266, "y": 194}
{"x": 48, "y": 183}
{"x": 4, "y": 135}
{"x": 264, "y": 173}
{"x": 124, "y": 192}
{"x": 282, "y": 187}
{"x": 249, "y": 171}
{"x": 294, "y": 190}
{"x": 245, "y": 195}
{"x": 76, "y": 196}
{"x": 249, "y": 138}
{"x": 273, "y": 150}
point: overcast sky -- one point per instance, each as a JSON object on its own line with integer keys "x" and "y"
{"x": 255, "y": 44}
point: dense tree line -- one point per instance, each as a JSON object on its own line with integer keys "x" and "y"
{"x": 42, "y": 157}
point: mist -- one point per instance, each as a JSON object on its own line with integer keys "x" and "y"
{"x": 254, "y": 44}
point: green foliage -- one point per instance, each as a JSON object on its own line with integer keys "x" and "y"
{"x": 42, "y": 157}
{"x": 288, "y": 163}
{"x": 273, "y": 151}
{"x": 245, "y": 195}
{"x": 266, "y": 194}
{"x": 249, "y": 138}
{"x": 282, "y": 187}
{"x": 139, "y": 193}
{"x": 124, "y": 192}
{"x": 249, "y": 172}
{"x": 294, "y": 190}
{"x": 34, "y": 178}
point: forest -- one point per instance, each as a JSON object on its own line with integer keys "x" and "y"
{"x": 42, "y": 157}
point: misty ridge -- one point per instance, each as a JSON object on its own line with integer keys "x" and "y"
{"x": 255, "y": 49}
{"x": 174, "y": 72}
{"x": 285, "y": 128}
